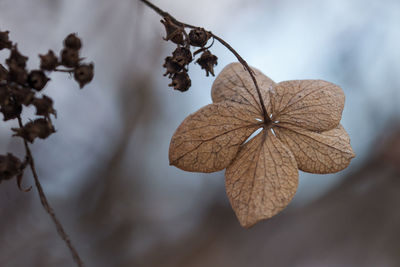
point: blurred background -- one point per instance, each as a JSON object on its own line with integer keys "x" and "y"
{"x": 106, "y": 170}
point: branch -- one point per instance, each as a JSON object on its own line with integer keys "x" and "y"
{"x": 46, "y": 205}
{"x": 224, "y": 43}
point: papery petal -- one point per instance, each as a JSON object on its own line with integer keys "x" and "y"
{"x": 312, "y": 104}
{"x": 262, "y": 179}
{"x": 234, "y": 83}
{"x": 210, "y": 138}
{"x": 325, "y": 152}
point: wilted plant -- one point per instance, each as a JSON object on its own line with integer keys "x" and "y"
{"x": 20, "y": 88}
{"x": 300, "y": 122}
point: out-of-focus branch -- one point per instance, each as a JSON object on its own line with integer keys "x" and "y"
{"x": 46, "y": 205}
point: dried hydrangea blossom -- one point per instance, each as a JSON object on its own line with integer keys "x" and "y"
{"x": 303, "y": 132}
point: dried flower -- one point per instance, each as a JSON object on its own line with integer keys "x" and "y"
{"x": 10, "y": 166}
{"x": 41, "y": 128}
{"x": 174, "y": 32}
{"x": 23, "y": 96}
{"x": 84, "y": 74}
{"x": 37, "y": 79}
{"x": 48, "y": 61}
{"x": 207, "y": 61}
{"x": 198, "y": 37}
{"x": 182, "y": 56}
{"x": 262, "y": 174}
{"x": 11, "y": 110}
{"x": 17, "y": 74}
{"x": 17, "y": 89}
{"x": 171, "y": 66}
{"x": 44, "y": 106}
{"x": 181, "y": 81}
{"x": 70, "y": 57}
{"x": 16, "y": 58}
{"x": 73, "y": 42}
{"x": 4, "y": 41}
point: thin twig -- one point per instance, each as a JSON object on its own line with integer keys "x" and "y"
{"x": 250, "y": 71}
{"x": 164, "y": 14}
{"x": 65, "y": 70}
{"x": 46, "y": 205}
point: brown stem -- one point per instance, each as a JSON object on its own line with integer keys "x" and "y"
{"x": 250, "y": 71}
{"x": 164, "y": 14}
{"x": 65, "y": 70}
{"x": 46, "y": 205}
{"x": 230, "y": 48}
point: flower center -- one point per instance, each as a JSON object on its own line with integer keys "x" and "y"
{"x": 268, "y": 124}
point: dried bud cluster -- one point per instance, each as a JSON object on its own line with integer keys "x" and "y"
{"x": 20, "y": 87}
{"x": 10, "y": 166}
{"x": 177, "y": 65}
{"x": 39, "y": 128}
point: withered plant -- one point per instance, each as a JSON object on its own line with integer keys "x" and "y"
{"x": 20, "y": 88}
{"x": 299, "y": 122}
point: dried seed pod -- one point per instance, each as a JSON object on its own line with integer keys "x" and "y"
{"x": 171, "y": 66}
{"x": 70, "y": 57}
{"x": 181, "y": 81}
{"x": 16, "y": 58}
{"x": 41, "y": 128}
{"x": 4, "y": 40}
{"x": 73, "y": 42}
{"x": 44, "y": 106}
{"x": 207, "y": 61}
{"x": 37, "y": 79}
{"x": 17, "y": 74}
{"x": 11, "y": 110}
{"x": 182, "y": 56}
{"x": 199, "y": 37}
{"x": 174, "y": 32}
{"x": 10, "y": 166}
{"x": 44, "y": 128}
{"x": 48, "y": 61}
{"x": 84, "y": 74}
{"x": 23, "y": 96}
